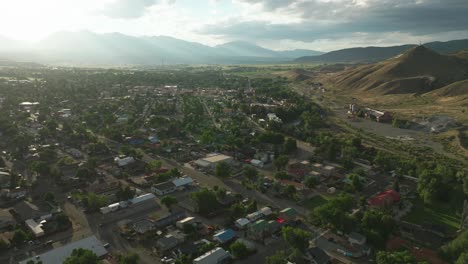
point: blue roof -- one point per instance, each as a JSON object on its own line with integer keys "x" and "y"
{"x": 225, "y": 235}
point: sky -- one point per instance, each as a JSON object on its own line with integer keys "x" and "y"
{"x": 277, "y": 24}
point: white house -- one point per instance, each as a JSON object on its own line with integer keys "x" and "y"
{"x": 124, "y": 161}
{"x": 215, "y": 256}
{"x": 242, "y": 223}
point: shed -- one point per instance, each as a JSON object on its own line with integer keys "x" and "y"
{"x": 224, "y": 236}
{"x": 241, "y": 223}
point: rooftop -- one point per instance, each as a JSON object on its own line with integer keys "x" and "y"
{"x": 215, "y": 254}
{"x": 217, "y": 158}
{"x": 58, "y": 255}
{"x": 225, "y": 235}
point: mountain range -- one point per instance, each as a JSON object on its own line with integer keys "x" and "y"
{"x": 89, "y": 48}
{"x": 374, "y": 54}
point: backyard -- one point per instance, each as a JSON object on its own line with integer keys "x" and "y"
{"x": 315, "y": 201}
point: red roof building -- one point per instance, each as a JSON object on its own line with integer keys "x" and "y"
{"x": 386, "y": 198}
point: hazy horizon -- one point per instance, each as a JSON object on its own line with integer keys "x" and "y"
{"x": 321, "y": 25}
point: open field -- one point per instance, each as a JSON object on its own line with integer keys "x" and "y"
{"x": 438, "y": 214}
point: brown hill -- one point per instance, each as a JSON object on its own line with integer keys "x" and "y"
{"x": 418, "y": 70}
{"x": 462, "y": 54}
{"x": 457, "y": 89}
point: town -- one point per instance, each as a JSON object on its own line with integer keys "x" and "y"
{"x": 204, "y": 165}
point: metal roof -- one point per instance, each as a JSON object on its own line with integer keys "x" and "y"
{"x": 58, "y": 255}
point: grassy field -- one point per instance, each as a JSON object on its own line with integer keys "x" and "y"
{"x": 439, "y": 214}
{"x": 315, "y": 201}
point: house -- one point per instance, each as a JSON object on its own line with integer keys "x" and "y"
{"x": 297, "y": 185}
{"x": 257, "y": 163}
{"x": 274, "y": 226}
{"x": 258, "y": 230}
{"x": 140, "y": 199}
{"x": 356, "y": 238}
{"x": 379, "y": 116}
{"x": 169, "y": 219}
{"x": 182, "y": 182}
{"x": 272, "y": 117}
{"x": 266, "y": 211}
{"x": 6, "y": 219}
{"x": 107, "y": 189}
{"x": 123, "y": 161}
{"x": 211, "y": 160}
{"x": 224, "y": 236}
{"x": 288, "y": 214}
{"x": 254, "y": 216}
{"x": 316, "y": 255}
{"x": 25, "y": 210}
{"x": 328, "y": 170}
{"x": 142, "y": 226}
{"x": 384, "y": 199}
{"x": 16, "y": 193}
{"x": 242, "y": 223}
{"x": 215, "y": 256}
{"x": 35, "y": 227}
{"x": 163, "y": 188}
{"x": 58, "y": 255}
{"x": 169, "y": 241}
{"x": 186, "y": 221}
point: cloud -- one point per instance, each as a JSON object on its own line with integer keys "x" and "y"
{"x": 335, "y": 19}
{"x": 130, "y": 9}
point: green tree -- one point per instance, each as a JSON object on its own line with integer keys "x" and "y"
{"x": 280, "y": 257}
{"x": 399, "y": 257}
{"x": 462, "y": 259}
{"x": 19, "y": 236}
{"x": 40, "y": 167}
{"x": 223, "y": 170}
{"x": 311, "y": 181}
{"x": 289, "y": 146}
{"x": 132, "y": 258}
{"x": 206, "y": 201}
{"x": 456, "y": 247}
{"x": 236, "y": 211}
{"x": 168, "y": 201}
{"x": 94, "y": 202}
{"x": 206, "y": 247}
{"x": 334, "y": 213}
{"x": 239, "y": 250}
{"x": 82, "y": 256}
{"x": 125, "y": 193}
{"x": 378, "y": 226}
{"x": 296, "y": 238}
{"x": 282, "y": 175}
{"x": 153, "y": 165}
{"x": 183, "y": 259}
{"x": 281, "y": 162}
{"x": 250, "y": 173}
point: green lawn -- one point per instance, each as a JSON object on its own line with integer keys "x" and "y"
{"x": 440, "y": 214}
{"x": 315, "y": 201}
